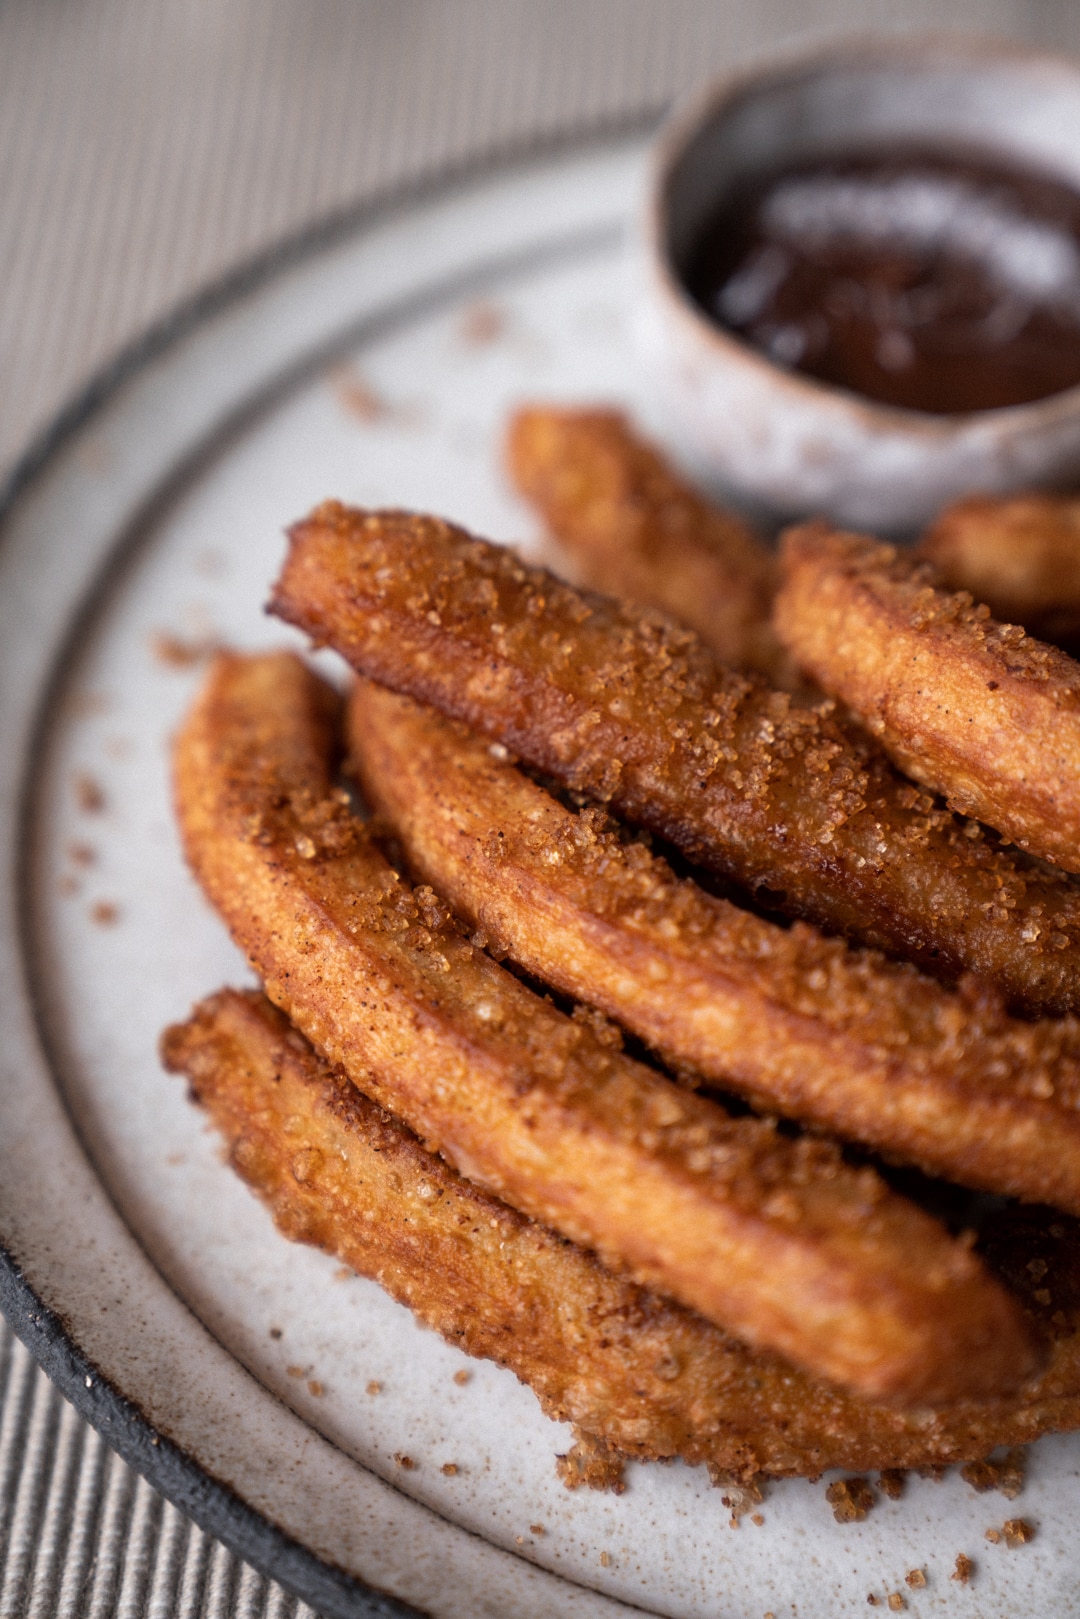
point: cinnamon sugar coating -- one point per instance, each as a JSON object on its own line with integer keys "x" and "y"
{"x": 968, "y": 706}
{"x": 636, "y": 1372}
{"x": 624, "y": 706}
{"x": 628, "y": 525}
{"x": 803, "y": 1025}
{"x": 775, "y": 1238}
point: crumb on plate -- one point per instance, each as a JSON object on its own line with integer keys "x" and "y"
{"x": 591, "y": 1462}
{"x": 963, "y": 1570}
{"x": 1006, "y": 1475}
{"x": 851, "y": 1499}
{"x": 89, "y": 793}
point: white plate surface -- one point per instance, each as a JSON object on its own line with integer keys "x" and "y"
{"x": 380, "y": 371}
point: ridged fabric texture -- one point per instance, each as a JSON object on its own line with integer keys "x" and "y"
{"x": 83, "y": 1537}
{"x": 148, "y": 147}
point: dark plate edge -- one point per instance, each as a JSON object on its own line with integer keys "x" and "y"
{"x": 216, "y": 296}
{"x": 210, "y": 1502}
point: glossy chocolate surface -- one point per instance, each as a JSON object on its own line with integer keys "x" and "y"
{"x": 939, "y": 283}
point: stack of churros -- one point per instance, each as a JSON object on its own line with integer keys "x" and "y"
{"x": 834, "y": 922}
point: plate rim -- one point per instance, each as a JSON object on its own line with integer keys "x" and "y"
{"x": 289, "y": 251}
{"x": 212, "y": 1503}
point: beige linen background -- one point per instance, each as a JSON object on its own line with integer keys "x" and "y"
{"x": 147, "y": 146}
{"x": 150, "y": 146}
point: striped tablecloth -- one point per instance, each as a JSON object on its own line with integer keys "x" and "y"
{"x": 148, "y": 147}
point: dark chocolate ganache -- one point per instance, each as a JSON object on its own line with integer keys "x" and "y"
{"x": 933, "y": 282}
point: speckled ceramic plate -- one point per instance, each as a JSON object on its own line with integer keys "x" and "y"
{"x": 261, "y": 1387}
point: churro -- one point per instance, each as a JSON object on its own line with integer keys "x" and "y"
{"x": 970, "y": 707}
{"x": 775, "y": 1239}
{"x": 618, "y": 703}
{"x": 837, "y": 1037}
{"x": 630, "y": 1368}
{"x": 1020, "y": 554}
{"x": 629, "y": 525}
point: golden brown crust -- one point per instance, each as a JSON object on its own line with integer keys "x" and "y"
{"x": 807, "y": 1026}
{"x": 776, "y": 1239}
{"x": 622, "y": 705}
{"x": 1020, "y": 554}
{"x": 631, "y": 527}
{"x": 624, "y": 1365}
{"x": 970, "y": 707}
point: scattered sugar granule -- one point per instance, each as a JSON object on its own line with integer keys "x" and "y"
{"x": 591, "y": 1463}
{"x": 963, "y": 1570}
{"x": 356, "y": 395}
{"x": 740, "y": 1495}
{"x": 174, "y": 652}
{"x": 851, "y": 1499}
{"x": 1006, "y": 1476}
{"x": 89, "y": 794}
{"x": 482, "y": 323}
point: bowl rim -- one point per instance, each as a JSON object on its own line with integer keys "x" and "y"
{"x": 690, "y": 115}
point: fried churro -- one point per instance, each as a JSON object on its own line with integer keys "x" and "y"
{"x": 632, "y": 1369}
{"x": 630, "y": 526}
{"x": 970, "y": 707}
{"x": 807, "y": 1026}
{"x": 620, "y": 704}
{"x": 775, "y": 1239}
{"x": 1020, "y": 554}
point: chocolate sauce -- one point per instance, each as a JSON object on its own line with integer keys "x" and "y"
{"x": 938, "y": 283}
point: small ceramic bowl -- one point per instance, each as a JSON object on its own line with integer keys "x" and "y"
{"x": 782, "y": 443}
